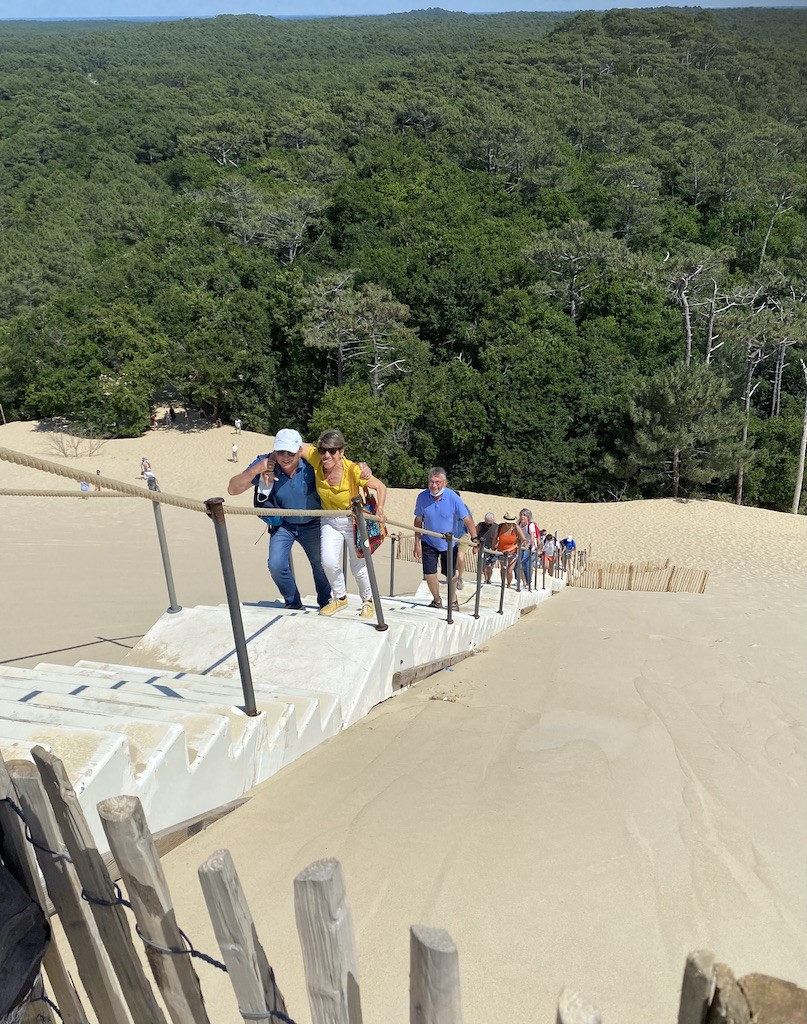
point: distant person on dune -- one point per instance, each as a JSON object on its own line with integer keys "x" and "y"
{"x": 97, "y": 485}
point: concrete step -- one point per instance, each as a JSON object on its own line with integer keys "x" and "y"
{"x": 315, "y": 715}
{"x": 86, "y": 753}
{"x": 177, "y": 736}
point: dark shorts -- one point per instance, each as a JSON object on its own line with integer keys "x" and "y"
{"x": 431, "y": 556}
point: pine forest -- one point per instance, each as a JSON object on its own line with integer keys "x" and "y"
{"x": 562, "y": 255}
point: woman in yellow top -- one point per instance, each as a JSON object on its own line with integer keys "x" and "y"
{"x": 337, "y": 480}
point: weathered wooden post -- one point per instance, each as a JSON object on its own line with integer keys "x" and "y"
{"x": 325, "y": 927}
{"x": 111, "y": 921}
{"x": 133, "y": 849}
{"x": 434, "y": 977}
{"x": 92, "y": 962}
{"x": 18, "y": 856}
{"x": 252, "y": 978}
{"x": 573, "y": 1009}
{"x": 697, "y": 987}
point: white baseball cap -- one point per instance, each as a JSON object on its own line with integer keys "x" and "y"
{"x": 288, "y": 441}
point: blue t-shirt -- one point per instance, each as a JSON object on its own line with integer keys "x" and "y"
{"x": 440, "y": 514}
{"x": 296, "y": 491}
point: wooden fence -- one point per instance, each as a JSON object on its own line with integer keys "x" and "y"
{"x": 96, "y": 921}
{"x": 660, "y": 577}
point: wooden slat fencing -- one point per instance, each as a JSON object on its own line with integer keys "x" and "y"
{"x": 119, "y": 989}
{"x": 656, "y": 577}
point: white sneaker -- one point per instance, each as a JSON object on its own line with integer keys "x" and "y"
{"x": 459, "y": 583}
{"x": 367, "y": 610}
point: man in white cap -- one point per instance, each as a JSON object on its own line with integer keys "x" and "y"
{"x": 285, "y": 480}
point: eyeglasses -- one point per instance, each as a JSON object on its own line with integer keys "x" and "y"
{"x": 282, "y": 451}
{"x": 329, "y": 451}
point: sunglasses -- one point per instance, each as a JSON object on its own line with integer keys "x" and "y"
{"x": 328, "y": 451}
{"x": 282, "y": 451}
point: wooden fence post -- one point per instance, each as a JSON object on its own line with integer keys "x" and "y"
{"x": 325, "y": 927}
{"x": 697, "y": 987}
{"x": 573, "y": 1009}
{"x": 252, "y": 978}
{"x": 133, "y": 849}
{"x": 92, "y": 962}
{"x": 112, "y": 922}
{"x": 434, "y": 977}
{"x": 18, "y": 857}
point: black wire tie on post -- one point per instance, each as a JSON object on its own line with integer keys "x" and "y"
{"x": 99, "y": 901}
{"x": 56, "y": 854}
{"x": 190, "y": 951}
{"x": 44, "y": 999}
{"x": 265, "y": 1015}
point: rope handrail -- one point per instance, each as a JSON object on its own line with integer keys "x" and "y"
{"x": 127, "y": 490}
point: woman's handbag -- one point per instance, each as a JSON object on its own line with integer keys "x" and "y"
{"x": 376, "y": 532}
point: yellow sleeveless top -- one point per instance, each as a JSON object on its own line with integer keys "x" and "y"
{"x": 335, "y": 497}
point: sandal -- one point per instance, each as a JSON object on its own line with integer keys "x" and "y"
{"x": 435, "y": 604}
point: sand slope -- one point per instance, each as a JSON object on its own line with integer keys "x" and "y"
{"x": 618, "y": 779}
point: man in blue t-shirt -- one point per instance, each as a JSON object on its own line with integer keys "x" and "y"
{"x": 438, "y": 509}
{"x": 287, "y": 480}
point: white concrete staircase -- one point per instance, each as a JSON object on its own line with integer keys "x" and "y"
{"x": 176, "y": 735}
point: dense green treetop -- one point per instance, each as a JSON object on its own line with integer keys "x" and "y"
{"x": 487, "y": 241}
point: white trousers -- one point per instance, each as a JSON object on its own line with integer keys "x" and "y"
{"x": 334, "y": 533}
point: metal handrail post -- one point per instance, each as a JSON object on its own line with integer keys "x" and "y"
{"x": 449, "y": 539}
{"x": 215, "y": 509}
{"x": 543, "y": 564}
{"x": 358, "y": 512}
{"x": 169, "y": 576}
{"x": 480, "y": 562}
{"x": 503, "y": 557}
{"x": 518, "y": 569}
{"x": 393, "y": 538}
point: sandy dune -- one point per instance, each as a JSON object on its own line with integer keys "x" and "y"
{"x": 618, "y": 779}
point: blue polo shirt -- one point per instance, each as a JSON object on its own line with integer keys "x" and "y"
{"x": 296, "y": 491}
{"x": 440, "y": 514}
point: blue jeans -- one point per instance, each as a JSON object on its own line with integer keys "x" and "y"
{"x": 526, "y": 565}
{"x": 280, "y": 550}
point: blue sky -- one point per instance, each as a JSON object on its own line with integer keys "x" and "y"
{"x": 210, "y": 8}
